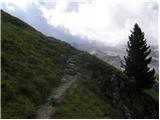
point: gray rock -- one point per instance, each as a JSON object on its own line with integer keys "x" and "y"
{"x": 52, "y": 102}
{"x": 64, "y": 79}
{"x": 126, "y": 112}
{"x": 71, "y": 71}
{"x": 113, "y": 87}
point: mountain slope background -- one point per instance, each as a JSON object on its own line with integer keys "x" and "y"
{"x": 32, "y": 64}
{"x": 113, "y": 55}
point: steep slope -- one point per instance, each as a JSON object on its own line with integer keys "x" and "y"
{"x": 34, "y": 64}
{"x": 101, "y": 91}
{"x": 31, "y": 64}
{"x": 56, "y": 96}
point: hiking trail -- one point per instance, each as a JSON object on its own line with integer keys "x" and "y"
{"x": 56, "y": 97}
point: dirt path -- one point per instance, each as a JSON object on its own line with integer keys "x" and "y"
{"x": 56, "y": 96}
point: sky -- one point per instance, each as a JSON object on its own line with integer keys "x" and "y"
{"x": 106, "y": 22}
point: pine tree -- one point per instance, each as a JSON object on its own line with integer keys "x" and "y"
{"x": 137, "y": 60}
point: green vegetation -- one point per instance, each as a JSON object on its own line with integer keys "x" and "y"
{"x": 87, "y": 97}
{"x": 99, "y": 70}
{"x": 31, "y": 64}
{"x": 138, "y": 59}
{"x": 84, "y": 99}
{"x": 152, "y": 94}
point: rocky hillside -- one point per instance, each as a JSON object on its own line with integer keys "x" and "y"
{"x": 114, "y": 55}
{"x": 101, "y": 91}
{"x": 34, "y": 66}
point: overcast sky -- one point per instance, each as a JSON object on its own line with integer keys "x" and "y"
{"x": 90, "y": 21}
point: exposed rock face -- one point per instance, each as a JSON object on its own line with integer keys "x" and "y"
{"x": 131, "y": 104}
{"x": 70, "y": 69}
{"x": 156, "y": 87}
{"x": 126, "y": 113}
{"x": 113, "y": 88}
{"x": 143, "y": 107}
{"x": 121, "y": 92}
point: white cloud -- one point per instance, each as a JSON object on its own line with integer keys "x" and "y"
{"x": 10, "y": 7}
{"x": 104, "y": 21}
{"x": 99, "y": 20}
{"x": 13, "y": 4}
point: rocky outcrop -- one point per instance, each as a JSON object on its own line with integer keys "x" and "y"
{"x": 113, "y": 88}
{"x": 156, "y": 87}
{"x": 126, "y": 113}
{"x": 131, "y": 103}
{"x": 121, "y": 92}
{"x": 71, "y": 68}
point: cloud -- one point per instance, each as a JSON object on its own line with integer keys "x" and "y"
{"x": 14, "y": 4}
{"x": 107, "y": 22}
{"x": 103, "y": 21}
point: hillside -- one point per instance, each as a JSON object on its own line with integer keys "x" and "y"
{"x": 101, "y": 91}
{"x": 34, "y": 65}
{"x": 114, "y": 55}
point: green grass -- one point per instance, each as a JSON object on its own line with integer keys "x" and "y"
{"x": 85, "y": 100}
{"x": 32, "y": 64}
{"x": 152, "y": 94}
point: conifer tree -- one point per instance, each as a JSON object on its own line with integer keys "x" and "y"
{"x": 136, "y": 62}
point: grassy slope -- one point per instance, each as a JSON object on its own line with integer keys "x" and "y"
{"x": 152, "y": 94}
{"x": 85, "y": 100}
{"x": 31, "y": 65}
